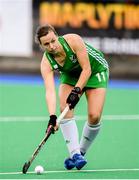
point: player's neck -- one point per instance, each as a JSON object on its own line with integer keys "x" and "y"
{"x": 59, "y": 54}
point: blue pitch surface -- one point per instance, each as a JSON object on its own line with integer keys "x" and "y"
{"x": 37, "y": 80}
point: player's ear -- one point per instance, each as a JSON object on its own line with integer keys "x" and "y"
{"x": 41, "y": 48}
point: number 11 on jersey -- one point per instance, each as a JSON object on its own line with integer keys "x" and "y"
{"x": 101, "y": 76}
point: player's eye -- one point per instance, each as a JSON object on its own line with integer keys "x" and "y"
{"x": 46, "y": 44}
{"x": 53, "y": 40}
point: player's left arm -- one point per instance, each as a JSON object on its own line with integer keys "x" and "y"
{"x": 78, "y": 46}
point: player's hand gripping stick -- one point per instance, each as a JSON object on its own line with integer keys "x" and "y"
{"x": 74, "y": 97}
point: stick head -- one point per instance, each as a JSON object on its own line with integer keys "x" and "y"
{"x": 25, "y": 167}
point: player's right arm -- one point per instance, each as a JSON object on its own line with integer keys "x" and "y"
{"x": 50, "y": 94}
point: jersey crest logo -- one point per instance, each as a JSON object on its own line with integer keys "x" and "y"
{"x": 55, "y": 66}
{"x": 73, "y": 58}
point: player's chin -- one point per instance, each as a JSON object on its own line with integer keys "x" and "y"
{"x": 53, "y": 52}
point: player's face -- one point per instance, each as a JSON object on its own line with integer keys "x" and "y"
{"x": 50, "y": 43}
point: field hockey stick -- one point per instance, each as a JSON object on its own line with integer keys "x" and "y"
{"x": 47, "y": 135}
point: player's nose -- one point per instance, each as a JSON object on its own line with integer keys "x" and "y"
{"x": 51, "y": 46}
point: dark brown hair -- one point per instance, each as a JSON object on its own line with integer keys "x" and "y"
{"x": 42, "y": 31}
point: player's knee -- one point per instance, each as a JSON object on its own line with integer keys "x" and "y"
{"x": 94, "y": 118}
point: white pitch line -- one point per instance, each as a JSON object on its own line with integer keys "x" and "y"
{"x": 8, "y": 173}
{"x": 73, "y": 171}
{"x": 44, "y": 118}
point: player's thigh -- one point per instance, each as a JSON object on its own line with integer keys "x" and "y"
{"x": 95, "y": 101}
{"x": 64, "y": 91}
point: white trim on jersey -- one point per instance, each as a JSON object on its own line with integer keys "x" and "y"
{"x": 97, "y": 56}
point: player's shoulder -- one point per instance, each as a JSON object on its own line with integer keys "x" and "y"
{"x": 44, "y": 59}
{"x": 45, "y": 64}
{"x": 72, "y": 38}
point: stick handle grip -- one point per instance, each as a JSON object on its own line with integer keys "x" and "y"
{"x": 62, "y": 115}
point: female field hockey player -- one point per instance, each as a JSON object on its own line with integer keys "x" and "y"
{"x": 83, "y": 69}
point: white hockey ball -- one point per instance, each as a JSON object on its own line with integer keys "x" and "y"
{"x": 39, "y": 169}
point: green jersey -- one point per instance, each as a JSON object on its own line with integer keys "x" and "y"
{"x": 71, "y": 69}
